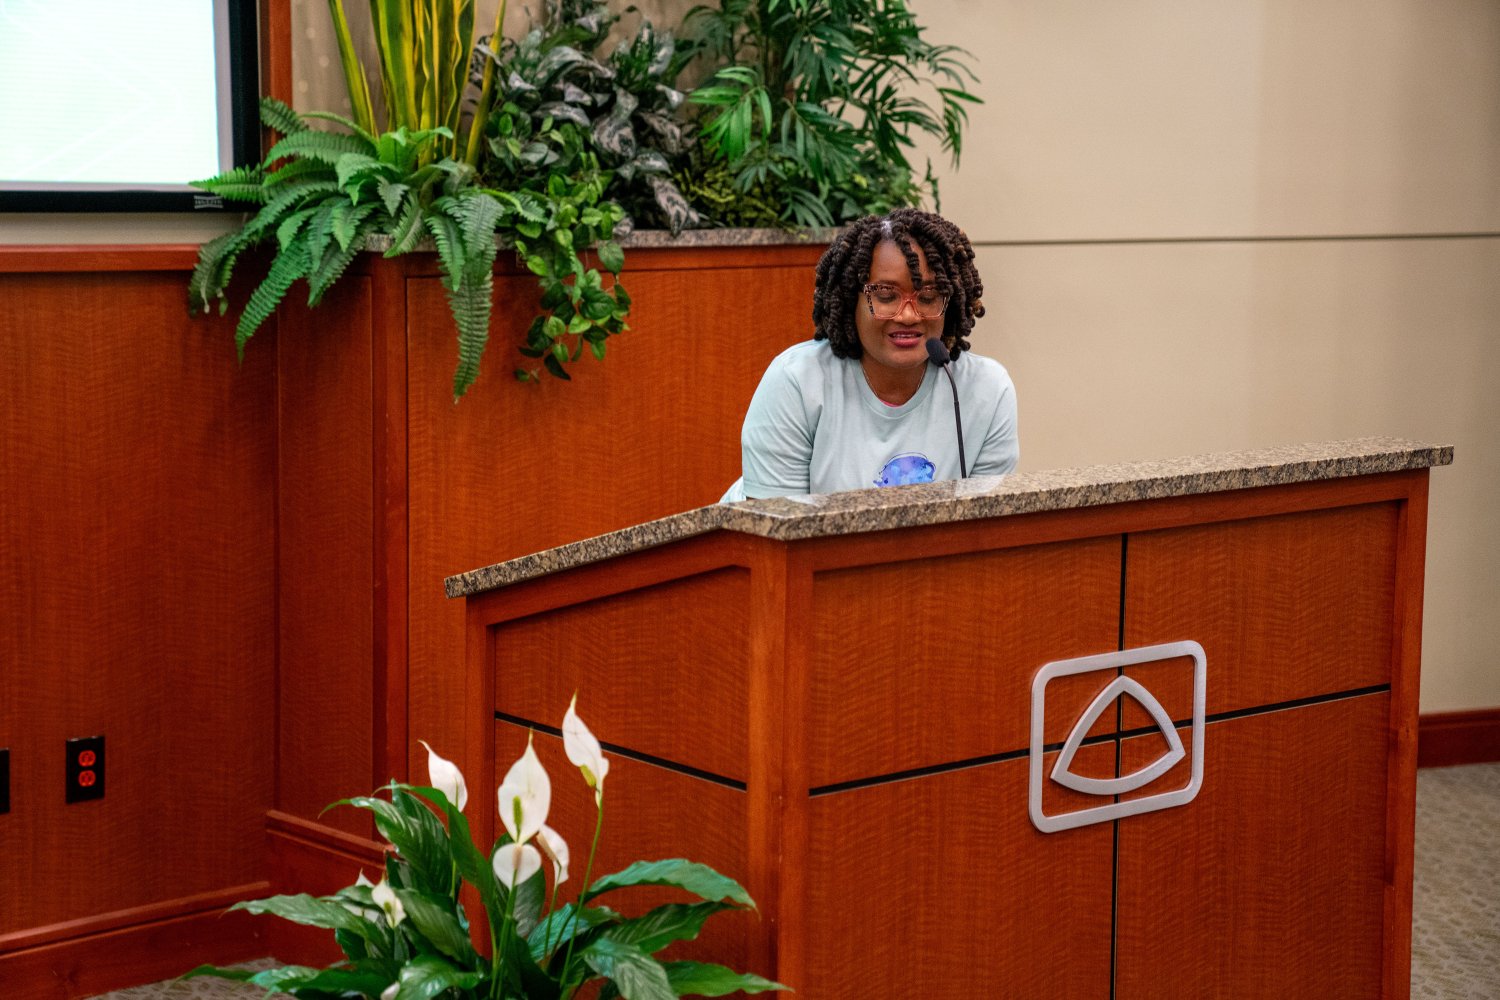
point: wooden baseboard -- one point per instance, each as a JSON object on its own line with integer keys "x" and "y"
{"x": 1448, "y": 738}
{"x": 84, "y": 958}
{"x": 309, "y": 857}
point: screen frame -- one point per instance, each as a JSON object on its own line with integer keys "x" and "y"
{"x": 243, "y": 132}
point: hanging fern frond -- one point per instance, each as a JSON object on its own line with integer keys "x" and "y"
{"x": 204, "y": 286}
{"x": 326, "y": 147}
{"x": 238, "y": 184}
{"x": 285, "y": 202}
{"x": 408, "y": 230}
{"x": 329, "y": 269}
{"x": 471, "y": 314}
{"x": 292, "y": 225}
{"x": 289, "y": 265}
{"x": 278, "y": 115}
{"x": 450, "y": 247}
{"x": 349, "y": 223}
{"x": 297, "y": 170}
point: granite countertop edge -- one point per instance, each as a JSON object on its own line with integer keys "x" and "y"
{"x": 657, "y": 238}
{"x": 794, "y": 518}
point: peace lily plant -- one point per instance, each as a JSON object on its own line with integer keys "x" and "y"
{"x": 408, "y": 935}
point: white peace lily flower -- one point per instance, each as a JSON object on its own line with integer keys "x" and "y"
{"x": 445, "y": 776}
{"x": 389, "y": 993}
{"x": 525, "y": 796}
{"x": 556, "y": 849}
{"x": 583, "y": 749}
{"x": 515, "y": 863}
{"x": 358, "y": 909}
{"x": 385, "y": 898}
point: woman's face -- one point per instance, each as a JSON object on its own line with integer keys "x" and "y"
{"x": 901, "y": 341}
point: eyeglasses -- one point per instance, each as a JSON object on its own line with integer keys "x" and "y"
{"x": 887, "y": 301}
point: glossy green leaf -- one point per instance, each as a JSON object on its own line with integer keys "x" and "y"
{"x": 703, "y": 979}
{"x": 636, "y": 974}
{"x": 698, "y": 879}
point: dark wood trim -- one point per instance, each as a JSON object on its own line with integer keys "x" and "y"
{"x": 1467, "y": 737}
{"x": 143, "y": 945}
{"x": 75, "y": 258}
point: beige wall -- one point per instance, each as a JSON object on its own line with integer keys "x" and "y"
{"x": 1212, "y": 225}
{"x": 1217, "y": 225}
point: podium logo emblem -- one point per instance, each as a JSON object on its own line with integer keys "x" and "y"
{"x": 1062, "y": 772}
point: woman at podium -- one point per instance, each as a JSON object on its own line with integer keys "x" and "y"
{"x": 865, "y": 403}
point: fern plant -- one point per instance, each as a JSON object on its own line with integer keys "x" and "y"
{"x": 333, "y": 190}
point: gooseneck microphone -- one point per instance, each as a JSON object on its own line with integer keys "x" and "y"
{"x": 938, "y": 355}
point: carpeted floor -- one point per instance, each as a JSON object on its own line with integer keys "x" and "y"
{"x": 1456, "y": 924}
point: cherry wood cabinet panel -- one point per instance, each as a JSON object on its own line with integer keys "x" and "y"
{"x": 663, "y": 670}
{"x": 513, "y": 469}
{"x": 1270, "y": 883}
{"x": 940, "y": 887}
{"x": 137, "y": 569}
{"x": 1285, "y": 607}
{"x": 945, "y": 649}
{"x": 325, "y": 548}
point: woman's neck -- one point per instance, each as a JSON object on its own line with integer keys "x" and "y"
{"x": 892, "y": 385}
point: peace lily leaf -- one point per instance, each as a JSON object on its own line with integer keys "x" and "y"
{"x": 700, "y": 880}
{"x": 334, "y": 981}
{"x": 428, "y": 975}
{"x": 637, "y": 974}
{"x": 704, "y": 979}
{"x": 665, "y": 924}
{"x": 311, "y": 912}
{"x": 436, "y": 922}
{"x": 566, "y": 922}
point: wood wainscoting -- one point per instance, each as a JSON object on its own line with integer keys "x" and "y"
{"x": 1448, "y": 738}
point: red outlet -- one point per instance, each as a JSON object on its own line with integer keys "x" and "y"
{"x": 85, "y": 770}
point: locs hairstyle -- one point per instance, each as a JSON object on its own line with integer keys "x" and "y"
{"x": 844, "y": 270}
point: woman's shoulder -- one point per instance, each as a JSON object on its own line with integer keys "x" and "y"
{"x": 808, "y": 358}
{"x": 983, "y": 368}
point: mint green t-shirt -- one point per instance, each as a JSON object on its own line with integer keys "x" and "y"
{"x": 815, "y": 426}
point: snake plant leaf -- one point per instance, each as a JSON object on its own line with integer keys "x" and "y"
{"x": 354, "y": 70}
{"x": 397, "y": 41}
{"x": 705, "y": 979}
{"x": 324, "y": 146}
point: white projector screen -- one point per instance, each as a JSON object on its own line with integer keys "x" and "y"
{"x": 110, "y": 105}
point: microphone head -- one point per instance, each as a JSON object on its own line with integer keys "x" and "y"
{"x": 937, "y": 353}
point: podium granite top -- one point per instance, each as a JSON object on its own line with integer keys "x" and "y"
{"x": 880, "y": 509}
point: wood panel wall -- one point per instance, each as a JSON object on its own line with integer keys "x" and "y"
{"x": 137, "y": 576}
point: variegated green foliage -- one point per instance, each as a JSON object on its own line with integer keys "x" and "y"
{"x": 552, "y": 217}
{"x": 817, "y": 103}
{"x": 627, "y": 102}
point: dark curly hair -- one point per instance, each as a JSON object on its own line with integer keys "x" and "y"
{"x": 844, "y": 269}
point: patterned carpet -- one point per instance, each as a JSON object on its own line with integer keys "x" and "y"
{"x": 1456, "y": 927}
{"x": 1456, "y": 910}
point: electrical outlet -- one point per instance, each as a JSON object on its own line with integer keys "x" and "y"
{"x": 85, "y": 769}
{"x": 5, "y": 781}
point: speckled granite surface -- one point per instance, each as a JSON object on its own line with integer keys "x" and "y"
{"x": 789, "y": 518}
{"x": 380, "y": 243}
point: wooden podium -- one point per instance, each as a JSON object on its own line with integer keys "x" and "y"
{"x": 850, "y": 702}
